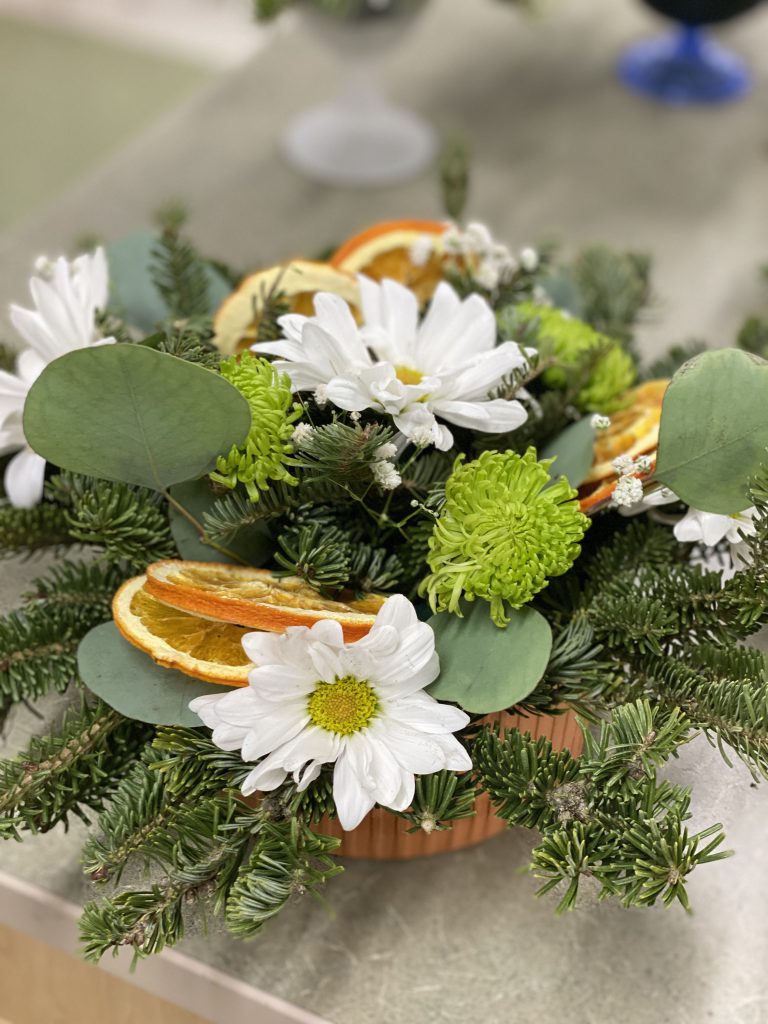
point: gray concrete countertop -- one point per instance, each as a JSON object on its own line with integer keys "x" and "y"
{"x": 560, "y": 149}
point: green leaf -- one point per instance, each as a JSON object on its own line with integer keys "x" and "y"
{"x": 128, "y": 413}
{"x": 484, "y": 668}
{"x": 131, "y": 683}
{"x": 132, "y": 292}
{"x": 573, "y": 450}
{"x": 252, "y": 545}
{"x": 714, "y": 430}
{"x": 563, "y": 291}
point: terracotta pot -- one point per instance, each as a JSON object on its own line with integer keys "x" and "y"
{"x": 383, "y": 836}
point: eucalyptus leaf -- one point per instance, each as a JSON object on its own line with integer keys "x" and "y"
{"x": 128, "y": 413}
{"x": 484, "y": 668}
{"x": 573, "y": 451}
{"x": 252, "y": 545}
{"x": 714, "y": 430}
{"x": 131, "y": 683}
{"x": 132, "y": 292}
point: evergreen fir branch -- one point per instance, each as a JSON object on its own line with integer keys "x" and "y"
{"x": 439, "y": 800}
{"x": 189, "y": 761}
{"x": 69, "y": 771}
{"x": 342, "y": 453}
{"x": 80, "y": 584}
{"x": 191, "y": 340}
{"x": 129, "y": 522}
{"x": 576, "y": 674}
{"x": 723, "y": 690}
{"x": 201, "y": 856}
{"x": 316, "y": 555}
{"x": 26, "y": 530}
{"x": 614, "y": 289}
{"x": 38, "y": 647}
{"x": 529, "y": 783}
{"x": 177, "y": 271}
{"x": 288, "y": 860}
{"x": 8, "y": 357}
{"x": 455, "y": 168}
{"x": 234, "y": 512}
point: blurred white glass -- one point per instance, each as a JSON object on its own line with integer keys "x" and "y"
{"x": 361, "y": 138}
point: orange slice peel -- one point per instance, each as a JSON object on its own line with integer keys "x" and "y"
{"x": 255, "y": 598}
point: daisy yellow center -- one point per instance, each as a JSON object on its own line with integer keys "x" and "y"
{"x": 345, "y": 706}
{"x": 407, "y": 375}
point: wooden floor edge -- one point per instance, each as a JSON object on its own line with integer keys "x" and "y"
{"x": 175, "y": 977}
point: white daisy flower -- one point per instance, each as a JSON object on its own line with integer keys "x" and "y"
{"x": 443, "y": 366}
{"x": 709, "y": 528}
{"x": 67, "y": 297}
{"x": 314, "y": 699}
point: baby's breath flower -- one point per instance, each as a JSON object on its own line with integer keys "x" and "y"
{"x": 627, "y": 492}
{"x": 266, "y": 453}
{"x": 503, "y": 530}
{"x": 570, "y": 340}
{"x": 385, "y": 475}
{"x": 529, "y": 259}
{"x": 388, "y": 450}
{"x": 301, "y": 432}
{"x": 600, "y": 422}
{"x": 624, "y": 464}
{"x": 421, "y": 250}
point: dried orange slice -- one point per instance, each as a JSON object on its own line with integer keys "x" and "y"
{"x": 237, "y": 319}
{"x": 634, "y": 430}
{"x": 204, "y": 648}
{"x": 384, "y": 250}
{"x": 255, "y": 597}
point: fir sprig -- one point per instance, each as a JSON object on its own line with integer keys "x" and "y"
{"x": 70, "y": 771}
{"x": 24, "y": 531}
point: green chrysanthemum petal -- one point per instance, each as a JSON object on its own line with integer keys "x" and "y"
{"x": 502, "y": 533}
{"x": 569, "y": 340}
{"x": 266, "y": 454}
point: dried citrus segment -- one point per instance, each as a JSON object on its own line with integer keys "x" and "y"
{"x": 254, "y": 597}
{"x": 204, "y": 648}
{"x": 237, "y": 319}
{"x": 384, "y": 251}
{"x": 634, "y": 430}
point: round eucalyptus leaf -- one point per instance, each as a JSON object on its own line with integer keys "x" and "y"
{"x": 484, "y": 668}
{"x": 128, "y": 413}
{"x": 130, "y": 682}
{"x": 132, "y": 292}
{"x": 714, "y": 430}
{"x": 253, "y": 545}
{"x": 573, "y": 451}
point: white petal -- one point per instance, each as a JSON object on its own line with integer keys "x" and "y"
{"x": 352, "y": 799}
{"x": 494, "y": 417}
{"x": 281, "y": 726}
{"x": 29, "y": 365}
{"x": 474, "y": 380}
{"x": 280, "y": 682}
{"x": 265, "y": 777}
{"x": 423, "y": 712}
{"x": 35, "y": 332}
{"x": 335, "y": 317}
{"x": 25, "y": 478}
{"x": 706, "y": 527}
{"x": 289, "y": 648}
{"x": 413, "y": 750}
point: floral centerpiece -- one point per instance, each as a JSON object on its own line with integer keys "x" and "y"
{"x": 392, "y": 551}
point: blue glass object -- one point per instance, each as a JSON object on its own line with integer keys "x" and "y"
{"x": 684, "y": 68}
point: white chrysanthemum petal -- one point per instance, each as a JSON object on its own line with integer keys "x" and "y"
{"x": 702, "y": 527}
{"x": 280, "y": 726}
{"x": 29, "y": 366}
{"x": 496, "y": 416}
{"x": 24, "y": 479}
{"x": 423, "y": 712}
{"x": 288, "y": 648}
{"x": 413, "y": 750}
{"x": 265, "y": 777}
{"x": 280, "y": 682}
{"x": 353, "y": 800}
{"x": 34, "y": 331}
{"x": 482, "y": 373}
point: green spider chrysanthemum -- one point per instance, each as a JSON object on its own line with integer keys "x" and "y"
{"x": 266, "y": 454}
{"x": 569, "y": 340}
{"x": 502, "y": 533}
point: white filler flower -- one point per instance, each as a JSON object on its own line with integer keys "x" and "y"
{"x": 444, "y": 366}
{"x": 67, "y": 297}
{"x": 314, "y": 699}
{"x": 709, "y": 528}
